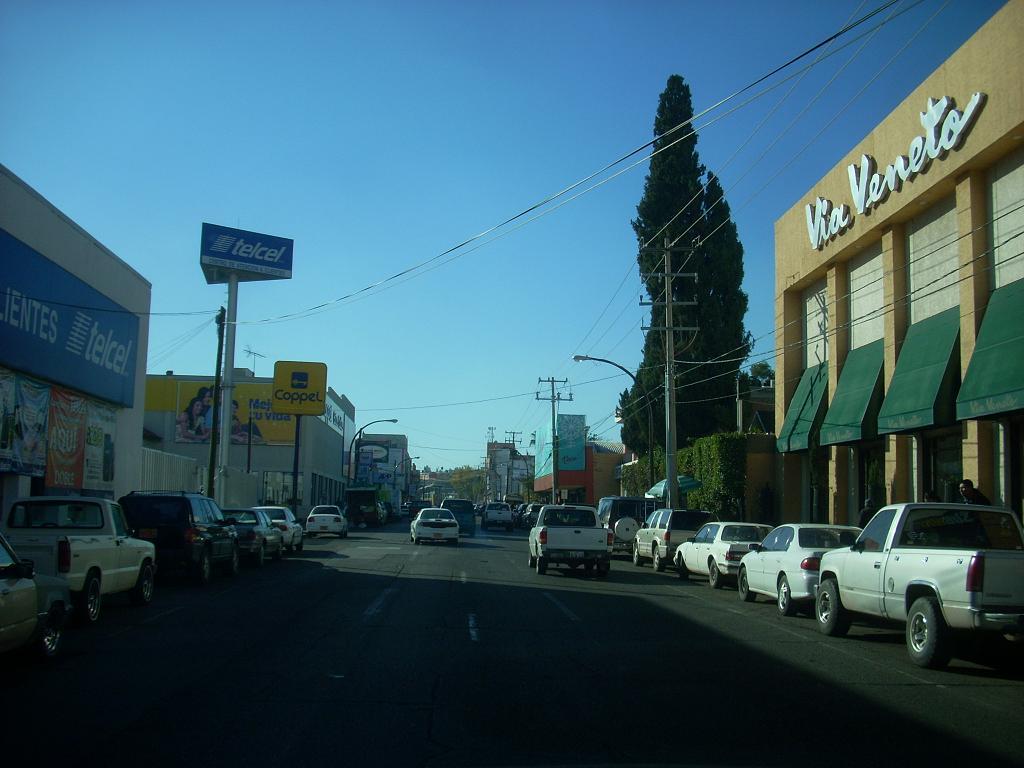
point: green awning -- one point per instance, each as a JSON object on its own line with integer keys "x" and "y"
{"x": 803, "y": 417}
{"x": 995, "y": 376}
{"x": 921, "y": 391}
{"x": 853, "y": 413}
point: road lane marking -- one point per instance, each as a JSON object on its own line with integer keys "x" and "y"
{"x": 374, "y": 608}
{"x": 471, "y": 621}
{"x": 163, "y": 613}
{"x": 561, "y": 606}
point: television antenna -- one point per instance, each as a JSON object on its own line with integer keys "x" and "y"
{"x": 253, "y": 354}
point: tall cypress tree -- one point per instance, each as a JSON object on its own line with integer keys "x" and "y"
{"x": 676, "y": 179}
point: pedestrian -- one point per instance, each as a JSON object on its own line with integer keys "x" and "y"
{"x": 867, "y": 512}
{"x": 766, "y": 503}
{"x": 972, "y": 495}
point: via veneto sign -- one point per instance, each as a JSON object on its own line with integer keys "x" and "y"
{"x": 299, "y": 388}
{"x": 945, "y": 129}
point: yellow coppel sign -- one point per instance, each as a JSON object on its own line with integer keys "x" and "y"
{"x": 299, "y": 388}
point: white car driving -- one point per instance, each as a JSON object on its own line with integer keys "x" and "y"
{"x": 291, "y": 531}
{"x": 434, "y": 524}
{"x": 785, "y": 565}
{"x": 717, "y": 549}
{"x": 327, "y": 518}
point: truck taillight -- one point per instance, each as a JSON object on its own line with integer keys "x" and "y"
{"x": 667, "y": 537}
{"x": 810, "y": 563}
{"x": 63, "y": 556}
{"x": 542, "y": 537}
{"x": 191, "y": 534}
{"x": 976, "y": 574}
{"x": 611, "y": 537}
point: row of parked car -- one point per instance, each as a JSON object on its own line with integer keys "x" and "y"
{"x": 62, "y": 556}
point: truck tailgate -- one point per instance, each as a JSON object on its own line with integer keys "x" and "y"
{"x": 41, "y": 550}
{"x": 589, "y": 539}
{"x": 1004, "y": 578}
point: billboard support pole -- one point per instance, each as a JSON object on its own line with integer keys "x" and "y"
{"x": 227, "y": 388}
{"x": 295, "y": 467}
{"x": 212, "y": 471}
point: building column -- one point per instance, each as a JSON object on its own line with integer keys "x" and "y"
{"x": 972, "y": 213}
{"x": 894, "y": 282}
{"x": 837, "y": 292}
{"x": 788, "y": 369}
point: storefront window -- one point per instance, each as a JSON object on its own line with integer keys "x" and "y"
{"x": 867, "y": 319}
{"x": 277, "y": 488}
{"x": 933, "y": 261}
{"x": 1007, "y": 206}
{"x": 815, "y": 325}
{"x": 944, "y": 466}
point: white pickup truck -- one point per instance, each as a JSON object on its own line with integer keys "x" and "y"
{"x": 570, "y": 535}
{"x": 496, "y": 513}
{"x": 935, "y": 568}
{"x": 85, "y": 541}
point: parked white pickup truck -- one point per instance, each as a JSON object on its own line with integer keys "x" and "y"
{"x": 572, "y": 536}
{"x": 933, "y": 567}
{"x": 86, "y": 541}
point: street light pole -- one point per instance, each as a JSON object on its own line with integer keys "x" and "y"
{"x": 650, "y": 412}
{"x": 351, "y": 456}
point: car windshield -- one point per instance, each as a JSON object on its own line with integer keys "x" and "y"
{"x": 55, "y": 514}
{"x": 687, "y": 520}
{"x": 325, "y": 511}
{"x": 743, "y": 533}
{"x": 275, "y": 513}
{"x": 498, "y": 506}
{"x": 569, "y": 518}
{"x": 241, "y": 515}
{"x": 436, "y": 514}
{"x": 457, "y": 505}
{"x": 826, "y": 538}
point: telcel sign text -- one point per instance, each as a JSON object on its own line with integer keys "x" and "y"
{"x": 248, "y": 255}
{"x": 299, "y": 388}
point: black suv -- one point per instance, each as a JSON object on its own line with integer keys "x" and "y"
{"x": 188, "y": 529}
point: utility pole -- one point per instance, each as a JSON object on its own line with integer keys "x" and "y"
{"x": 212, "y": 471}
{"x": 554, "y": 398}
{"x": 671, "y": 472}
{"x": 511, "y": 459}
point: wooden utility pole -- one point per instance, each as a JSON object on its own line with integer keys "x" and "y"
{"x": 554, "y": 398}
{"x": 214, "y": 434}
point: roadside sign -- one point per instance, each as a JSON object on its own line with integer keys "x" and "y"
{"x": 299, "y": 388}
{"x": 224, "y": 251}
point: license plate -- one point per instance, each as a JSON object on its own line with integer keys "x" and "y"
{"x": 437, "y": 535}
{"x": 147, "y": 533}
{"x": 324, "y": 527}
{"x": 575, "y": 554}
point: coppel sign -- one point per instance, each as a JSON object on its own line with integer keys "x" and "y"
{"x": 248, "y": 255}
{"x": 299, "y": 388}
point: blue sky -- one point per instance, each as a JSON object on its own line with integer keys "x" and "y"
{"x": 378, "y": 135}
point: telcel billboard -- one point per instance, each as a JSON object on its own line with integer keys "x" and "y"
{"x": 249, "y": 255}
{"x": 299, "y": 388}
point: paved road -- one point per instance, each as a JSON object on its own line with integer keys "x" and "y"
{"x": 372, "y": 651}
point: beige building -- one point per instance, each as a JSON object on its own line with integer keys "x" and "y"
{"x": 900, "y": 300}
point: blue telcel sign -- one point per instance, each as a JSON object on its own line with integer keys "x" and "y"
{"x": 248, "y": 255}
{"x": 55, "y": 326}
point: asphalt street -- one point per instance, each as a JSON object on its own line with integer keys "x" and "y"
{"x": 373, "y": 651}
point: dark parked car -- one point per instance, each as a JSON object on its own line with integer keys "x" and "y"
{"x": 258, "y": 538}
{"x": 529, "y": 517}
{"x": 188, "y": 529}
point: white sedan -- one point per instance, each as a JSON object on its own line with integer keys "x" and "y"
{"x": 327, "y": 518}
{"x": 716, "y": 550}
{"x": 291, "y": 531}
{"x": 785, "y": 565}
{"x": 434, "y": 524}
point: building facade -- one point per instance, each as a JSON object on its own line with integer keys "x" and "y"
{"x": 899, "y": 277}
{"x": 74, "y": 329}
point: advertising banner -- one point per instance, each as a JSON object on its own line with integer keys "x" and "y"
{"x": 250, "y": 255}
{"x": 75, "y": 336}
{"x": 542, "y": 464}
{"x": 194, "y": 421}
{"x": 100, "y": 427}
{"x": 333, "y": 416}
{"x": 300, "y": 388}
{"x": 572, "y": 436}
{"x": 65, "y": 462}
{"x": 32, "y": 410}
{"x": 8, "y": 404}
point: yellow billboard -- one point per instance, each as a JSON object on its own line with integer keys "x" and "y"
{"x": 194, "y": 421}
{"x": 300, "y": 388}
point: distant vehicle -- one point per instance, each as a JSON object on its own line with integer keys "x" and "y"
{"x": 464, "y": 514}
{"x": 33, "y": 608}
{"x": 327, "y": 518}
{"x": 291, "y": 531}
{"x": 497, "y": 513}
{"x": 569, "y": 535}
{"x": 86, "y": 542}
{"x": 662, "y": 532}
{"x": 785, "y": 565}
{"x": 624, "y": 515}
{"x": 258, "y": 537}
{"x": 717, "y": 549}
{"x": 362, "y": 507}
{"x": 434, "y": 524}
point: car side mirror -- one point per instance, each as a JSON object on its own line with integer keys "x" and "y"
{"x": 692, "y": 539}
{"x": 857, "y": 546}
{"x": 755, "y": 548}
{"x": 27, "y": 569}
{"x": 228, "y": 521}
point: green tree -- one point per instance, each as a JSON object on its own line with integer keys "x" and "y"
{"x": 468, "y": 483}
{"x": 689, "y": 203}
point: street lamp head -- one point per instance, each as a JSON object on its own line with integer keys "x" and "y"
{"x": 580, "y": 358}
{"x": 393, "y": 421}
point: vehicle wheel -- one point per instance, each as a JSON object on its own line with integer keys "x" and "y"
{"x": 231, "y": 566}
{"x": 714, "y": 575}
{"x": 784, "y": 601}
{"x": 142, "y": 592}
{"x": 204, "y": 570}
{"x": 260, "y": 557}
{"x": 531, "y": 559}
{"x": 743, "y": 588}
{"x": 929, "y": 640}
{"x": 300, "y": 545}
{"x": 603, "y": 568}
{"x": 542, "y": 565}
{"x": 48, "y": 644}
{"x": 833, "y": 618}
{"x": 681, "y": 570}
{"x": 636, "y": 555}
{"x": 415, "y": 540}
{"x": 588, "y": 568}
{"x": 279, "y": 552}
{"x": 656, "y": 560}
{"x": 89, "y": 600}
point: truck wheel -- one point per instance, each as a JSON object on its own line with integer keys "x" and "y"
{"x": 656, "y": 561}
{"x": 542, "y": 565}
{"x": 714, "y": 575}
{"x": 89, "y": 601}
{"x": 204, "y": 570}
{"x": 929, "y": 640}
{"x": 48, "y": 644}
{"x": 744, "y": 588}
{"x": 142, "y": 592}
{"x": 636, "y": 555}
{"x": 531, "y": 559}
{"x": 784, "y": 602}
{"x": 833, "y": 618}
{"x": 231, "y": 566}
{"x": 603, "y": 567}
